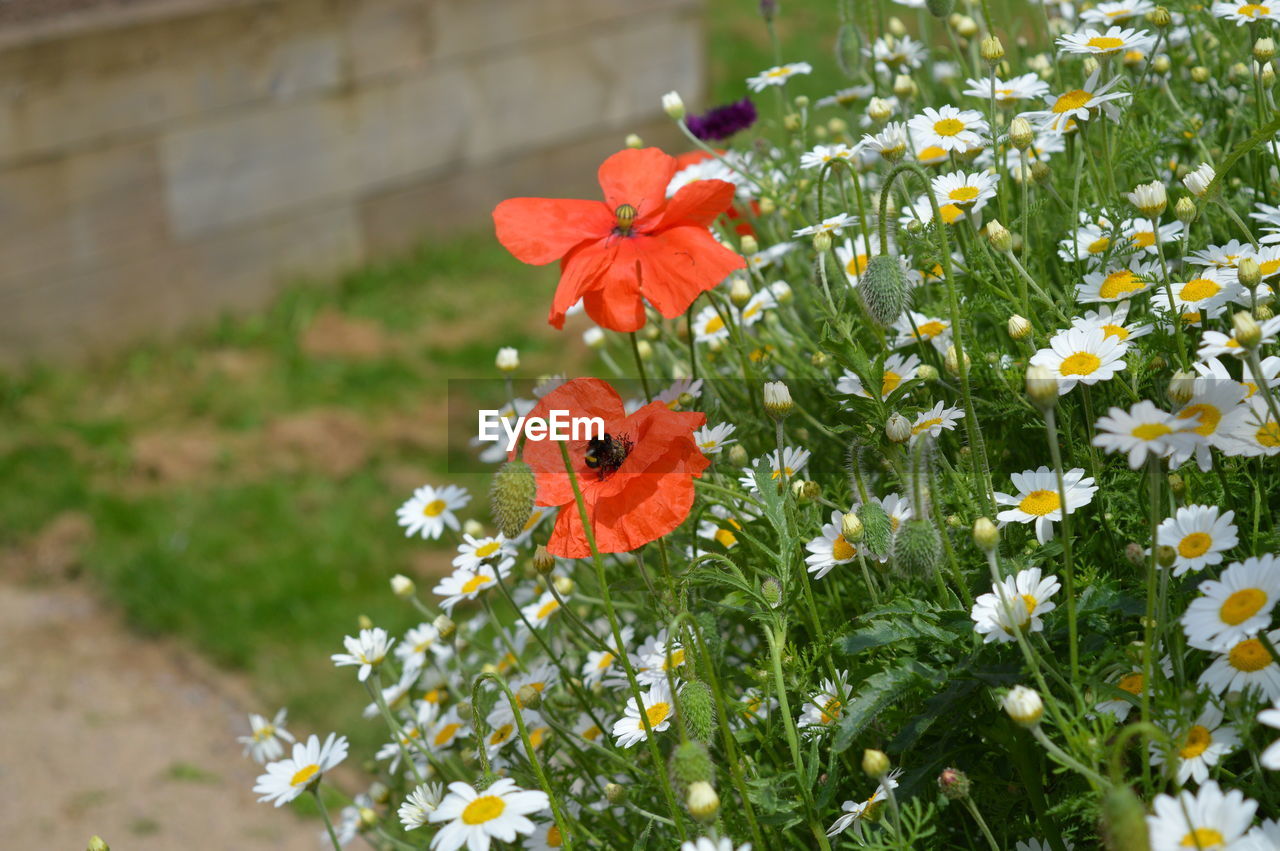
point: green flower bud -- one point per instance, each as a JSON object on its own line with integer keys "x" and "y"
{"x": 1123, "y": 820}
{"x": 691, "y": 763}
{"x": 877, "y": 529}
{"x": 511, "y": 497}
{"x": 918, "y": 547}
{"x": 699, "y": 712}
{"x": 883, "y": 289}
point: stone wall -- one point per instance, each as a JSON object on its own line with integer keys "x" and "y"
{"x": 184, "y": 157}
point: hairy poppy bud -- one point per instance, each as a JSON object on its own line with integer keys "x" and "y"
{"x": 1122, "y": 820}
{"x": 883, "y": 289}
{"x": 877, "y": 528}
{"x": 511, "y": 496}
{"x": 699, "y": 713}
{"x": 917, "y": 547}
{"x": 691, "y": 763}
{"x": 940, "y": 8}
{"x": 771, "y": 590}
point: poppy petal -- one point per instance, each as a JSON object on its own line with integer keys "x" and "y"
{"x": 581, "y": 272}
{"x": 679, "y": 264}
{"x": 639, "y": 178}
{"x": 698, "y": 203}
{"x": 540, "y": 230}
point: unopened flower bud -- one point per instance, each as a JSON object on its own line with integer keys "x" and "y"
{"x": 738, "y": 455}
{"x": 1246, "y": 329}
{"x": 593, "y": 337}
{"x": 1024, "y": 706}
{"x": 1133, "y": 552}
{"x": 771, "y": 590}
{"x": 1149, "y": 198}
{"x": 1122, "y": 820}
{"x": 940, "y": 8}
{"x": 1089, "y": 65}
{"x": 633, "y": 141}
{"x": 820, "y": 359}
{"x": 402, "y": 586}
{"x": 767, "y": 206}
{"x": 1185, "y": 210}
{"x": 896, "y": 27}
{"x": 703, "y": 802}
{"x": 998, "y": 234}
{"x": 444, "y": 625}
{"x": 965, "y": 26}
{"x": 810, "y": 491}
{"x": 875, "y": 764}
{"x": 1161, "y": 65}
{"x": 879, "y": 110}
{"x": 474, "y": 528}
{"x": 1166, "y": 555}
{"x": 905, "y": 87}
{"x": 953, "y": 784}
{"x": 1042, "y": 387}
{"x": 543, "y": 561}
{"x": 1263, "y": 49}
{"x": 1159, "y": 17}
{"x": 97, "y": 843}
{"x": 1177, "y": 485}
{"x": 985, "y": 534}
{"x": 777, "y": 400}
{"x": 528, "y": 697}
{"x": 1267, "y": 75}
{"x": 851, "y": 527}
{"x": 1263, "y": 312}
{"x": 991, "y": 50}
{"x": 951, "y": 360}
{"x": 644, "y": 349}
{"x": 673, "y": 106}
{"x": 749, "y": 245}
{"x": 1021, "y": 133}
{"x": 1040, "y": 171}
{"x": 508, "y": 359}
{"x": 511, "y": 496}
{"x": 739, "y": 291}
{"x": 897, "y": 428}
{"x": 563, "y": 584}
{"x": 1019, "y": 327}
{"x": 1182, "y": 386}
{"x": 822, "y": 241}
{"x": 927, "y": 372}
{"x": 615, "y": 793}
{"x": 1249, "y": 273}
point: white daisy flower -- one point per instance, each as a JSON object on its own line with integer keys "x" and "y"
{"x": 1200, "y": 747}
{"x": 921, "y": 210}
{"x": 1223, "y": 257}
{"x": 430, "y": 509}
{"x": 859, "y": 810}
{"x": 1078, "y": 104}
{"x": 1245, "y": 13}
{"x": 1112, "y": 322}
{"x": 1116, "y": 283}
{"x": 1246, "y": 665}
{"x": 766, "y": 257}
{"x": 1106, "y": 13}
{"x": 464, "y": 584}
{"x": 755, "y": 706}
{"x": 665, "y": 656}
{"x": 1254, "y": 432}
{"x": 1038, "y": 501}
{"x": 709, "y": 326}
{"x": 1131, "y": 683}
{"x": 1270, "y": 758}
{"x": 722, "y": 527}
{"x": 823, "y": 709}
{"x": 854, "y": 254}
{"x": 1144, "y": 430}
{"x": 658, "y": 708}
{"x": 500, "y": 725}
{"x": 419, "y": 805}
{"x": 541, "y": 610}
{"x": 477, "y": 818}
{"x": 704, "y": 843}
{"x": 266, "y": 741}
{"x": 847, "y": 97}
{"x": 778, "y": 75}
{"x": 1091, "y": 240}
{"x": 422, "y": 639}
{"x": 891, "y": 142}
{"x": 949, "y": 128}
{"x": 830, "y": 548}
{"x": 753, "y": 311}
{"x": 1208, "y": 291}
{"x": 1208, "y": 820}
{"x": 1023, "y": 87}
{"x": 395, "y": 695}
{"x": 1114, "y": 40}
{"x": 712, "y": 439}
{"x": 289, "y": 778}
{"x": 1265, "y": 837}
{"x": 823, "y": 154}
{"x": 965, "y": 190}
{"x": 446, "y": 731}
{"x": 936, "y": 420}
{"x": 831, "y": 224}
{"x": 897, "y": 371}
{"x": 367, "y": 650}
{"x": 1234, "y": 607}
{"x": 539, "y": 678}
{"x": 1144, "y": 237}
{"x": 1080, "y": 356}
{"x": 601, "y": 663}
{"x": 1014, "y": 604}
{"x": 1270, "y": 375}
{"x": 1040, "y": 845}
{"x": 472, "y": 551}
{"x": 792, "y": 464}
{"x": 1199, "y": 534}
{"x": 893, "y": 54}
{"x": 912, "y": 327}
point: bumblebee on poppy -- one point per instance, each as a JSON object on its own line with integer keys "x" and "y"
{"x": 607, "y": 453}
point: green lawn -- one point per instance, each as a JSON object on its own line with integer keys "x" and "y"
{"x": 242, "y": 486}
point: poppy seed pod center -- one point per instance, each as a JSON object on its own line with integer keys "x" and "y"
{"x": 625, "y": 215}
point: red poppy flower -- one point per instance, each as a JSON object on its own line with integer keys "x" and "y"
{"x": 637, "y": 485}
{"x": 635, "y": 245}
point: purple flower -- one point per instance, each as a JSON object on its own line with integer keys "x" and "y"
{"x": 768, "y": 8}
{"x": 723, "y": 121}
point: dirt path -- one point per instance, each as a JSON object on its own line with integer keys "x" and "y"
{"x": 103, "y": 731}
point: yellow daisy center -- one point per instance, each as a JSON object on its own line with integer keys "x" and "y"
{"x": 547, "y": 609}
{"x": 932, "y": 152}
{"x": 963, "y": 194}
{"x": 1151, "y": 431}
{"x": 842, "y": 550}
{"x": 501, "y": 734}
{"x": 1199, "y": 289}
{"x": 925, "y": 425}
{"x": 857, "y": 265}
{"x": 656, "y": 714}
{"x": 303, "y": 775}
{"x": 261, "y": 735}
{"x": 1105, "y": 43}
{"x": 1253, "y": 10}
{"x": 1074, "y": 99}
{"x": 1132, "y": 683}
{"x": 725, "y": 538}
{"x": 446, "y": 734}
{"x": 950, "y": 213}
{"x": 605, "y": 661}
{"x": 1144, "y": 238}
{"x": 592, "y": 733}
{"x": 1242, "y": 605}
{"x": 475, "y": 583}
{"x": 948, "y": 127}
{"x": 1118, "y": 283}
{"x": 1270, "y": 267}
{"x": 675, "y": 661}
{"x": 1269, "y": 435}
{"x": 1031, "y": 603}
{"x": 831, "y": 710}
{"x": 488, "y": 549}
{"x": 889, "y": 383}
{"x": 434, "y": 508}
{"x": 1081, "y": 363}
{"x": 1196, "y": 742}
{"x": 713, "y": 325}
{"x": 1194, "y": 545}
{"x": 1099, "y": 245}
{"x": 486, "y": 808}
{"x": 1209, "y": 416}
{"x": 931, "y": 329}
{"x": 554, "y": 839}
{"x": 1249, "y": 656}
{"x": 1202, "y": 837}
{"x": 1040, "y": 503}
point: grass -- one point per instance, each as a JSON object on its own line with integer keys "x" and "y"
{"x": 211, "y": 524}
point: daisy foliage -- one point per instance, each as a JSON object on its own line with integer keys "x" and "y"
{"x": 937, "y": 500}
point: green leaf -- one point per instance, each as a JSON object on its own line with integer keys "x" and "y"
{"x": 876, "y": 693}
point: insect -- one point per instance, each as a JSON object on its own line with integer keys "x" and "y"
{"x": 607, "y": 453}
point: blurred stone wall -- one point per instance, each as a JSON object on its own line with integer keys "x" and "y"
{"x": 179, "y": 158}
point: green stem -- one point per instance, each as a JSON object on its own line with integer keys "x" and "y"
{"x": 1068, "y": 570}
{"x": 324, "y": 814}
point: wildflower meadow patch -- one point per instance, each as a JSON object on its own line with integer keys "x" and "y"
{"x": 927, "y": 499}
